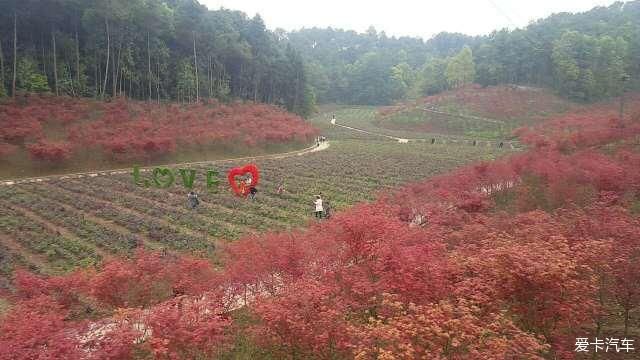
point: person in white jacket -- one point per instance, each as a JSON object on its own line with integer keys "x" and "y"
{"x": 318, "y": 206}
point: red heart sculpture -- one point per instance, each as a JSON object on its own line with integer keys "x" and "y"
{"x": 248, "y": 169}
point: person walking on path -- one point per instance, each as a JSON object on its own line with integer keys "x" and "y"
{"x": 318, "y": 206}
{"x": 192, "y": 200}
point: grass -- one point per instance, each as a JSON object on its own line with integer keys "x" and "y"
{"x": 350, "y": 171}
{"x": 366, "y": 118}
{"x": 21, "y": 166}
{"x": 480, "y": 113}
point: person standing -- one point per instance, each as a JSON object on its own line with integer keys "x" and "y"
{"x": 245, "y": 185}
{"x": 252, "y": 193}
{"x": 318, "y": 206}
{"x": 192, "y": 200}
{"x": 327, "y": 209}
{"x": 333, "y": 120}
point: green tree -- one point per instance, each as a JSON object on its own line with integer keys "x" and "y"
{"x": 574, "y": 56}
{"x": 610, "y": 65}
{"x": 186, "y": 81}
{"x": 433, "y": 77}
{"x": 403, "y": 78}
{"x": 461, "y": 69}
{"x": 28, "y": 77}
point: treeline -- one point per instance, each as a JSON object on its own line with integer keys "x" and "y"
{"x": 149, "y": 50}
{"x": 178, "y": 50}
{"x": 370, "y": 68}
{"x": 582, "y": 56}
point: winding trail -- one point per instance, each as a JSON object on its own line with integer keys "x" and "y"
{"x": 511, "y": 144}
{"x": 79, "y": 175}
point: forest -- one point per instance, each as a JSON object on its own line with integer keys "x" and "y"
{"x": 179, "y": 50}
{"x": 582, "y": 56}
{"x": 148, "y": 50}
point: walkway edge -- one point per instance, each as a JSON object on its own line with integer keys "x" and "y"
{"x": 10, "y": 182}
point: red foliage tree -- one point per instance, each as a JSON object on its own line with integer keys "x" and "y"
{"x": 149, "y": 279}
{"x": 36, "y": 329}
{"x": 53, "y": 152}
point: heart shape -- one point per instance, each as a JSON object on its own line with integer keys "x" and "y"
{"x": 160, "y": 177}
{"x": 242, "y": 171}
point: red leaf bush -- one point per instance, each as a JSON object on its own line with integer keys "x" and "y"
{"x": 49, "y": 151}
{"x": 128, "y": 130}
{"x": 516, "y": 258}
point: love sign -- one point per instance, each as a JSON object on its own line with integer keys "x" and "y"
{"x": 241, "y": 188}
{"x": 164, "y": 177}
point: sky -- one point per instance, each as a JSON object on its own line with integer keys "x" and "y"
{"x": 417, "y": 18}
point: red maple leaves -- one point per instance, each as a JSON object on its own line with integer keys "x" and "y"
{"x": 515, "y": 259}
{"x": 129, "y": 130}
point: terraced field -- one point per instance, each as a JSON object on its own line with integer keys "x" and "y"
{"x": 369, "y": 118}
{"x": 490, "y": 113}
{"x": 57, "y": 225}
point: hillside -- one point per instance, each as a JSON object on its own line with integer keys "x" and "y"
{"x": 184, "y": 182}
{"x": 41, "y": 135}
{"x": 66, "y": 223}
{"x": 492, "y": 112}
{"x": 512, "y": 258}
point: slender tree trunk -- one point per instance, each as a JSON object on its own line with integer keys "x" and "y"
{"x": 15, "y": 52}
{"x": 1, "y": 67}
{"x": 95, "y": 76}
{"x": 116, "y": 68}
{"x": 158, "y": 79}
{"x": 209, "y": 78}
{"x": 149, "y": 65}
{"x": 55, "y": 62}
{"x": 195, "y": 60}
{"x": 106, "y": 68}
{"x": 73, "y": 88}
{"x": 44, "y": 61}
{"x": 78, "y": 62}
{"x": 296, "y": 95}
{"x": 97, "y": 72}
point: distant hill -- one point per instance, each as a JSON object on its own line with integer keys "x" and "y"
{"x": 491, "y": 112}
{"x": 582, "y": 55}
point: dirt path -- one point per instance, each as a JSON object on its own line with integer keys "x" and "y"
{"x": 56, "y": 229}
{"x": 90, "y": 174}
{"x": 511, "y": 144}
{"x": 30, "y": 257}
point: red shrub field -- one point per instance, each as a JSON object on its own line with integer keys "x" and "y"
{"x": 475, "y": 111}
{"x": 513, "y": 259}
{"x": 128, "y": 130}
{"x": 502, "y": 102}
